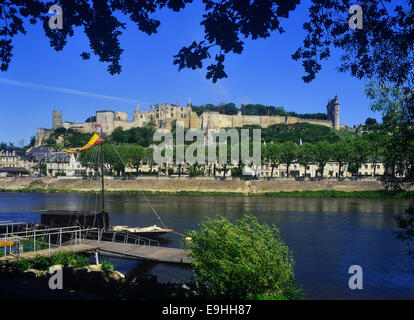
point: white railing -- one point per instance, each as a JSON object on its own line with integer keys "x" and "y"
{"x": 56, "y": 238}
{"x": 10, "y": 225}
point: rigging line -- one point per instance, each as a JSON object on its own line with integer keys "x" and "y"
{"x": 145, "y": 197}
{"x": 159, "y": 218}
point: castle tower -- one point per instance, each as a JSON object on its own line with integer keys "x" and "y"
{"x": 336, "y": 114}
{"x": 57, "y": 119}
{"x": 332, "y": 110}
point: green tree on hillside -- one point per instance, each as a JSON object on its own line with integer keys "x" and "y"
{"x": 179, "y": 164}
{"x": 299, "y": 131}
{"x": 135, "y": 156}
{"x": 288, "y": 154}
{"x": 371, "y": 124}
{"x": 323, "y": 153}
{"x": 341, "y": 153}
{"x": 114, "y": 158}
{"x": 228, "y": 108}
{"x": 376, "y": 148}
{"x": 140, "y": 135}
{"x": 360, "y": 149}
{"x": 119, "y": 135}
{"x": 272, "y": 155}
{"x": 306, "y": 155}
{"x": 76, "y": 139}
{"x": 90, "y": 159}
{"x": 228, "y": 158}
{"x": 149, "y": 158}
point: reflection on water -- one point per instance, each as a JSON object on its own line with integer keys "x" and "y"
{"x": 326, "y": 236}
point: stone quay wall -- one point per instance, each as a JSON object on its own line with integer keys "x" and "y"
{"x": 199, "y": 184}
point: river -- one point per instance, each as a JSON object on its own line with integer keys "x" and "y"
{"x": 326, "y": 235}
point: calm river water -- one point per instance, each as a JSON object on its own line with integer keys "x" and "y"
{"x": 326, "y": 236}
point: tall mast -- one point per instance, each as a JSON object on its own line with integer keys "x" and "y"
{"x": 102, "y": 174}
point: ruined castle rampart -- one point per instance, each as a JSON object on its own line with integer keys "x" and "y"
{"x": 162, "y": 116}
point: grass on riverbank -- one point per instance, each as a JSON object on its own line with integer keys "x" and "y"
{"x": 68, "y": 258}
{"x": 43, "y": 263}
{"x": 373, "y": 194}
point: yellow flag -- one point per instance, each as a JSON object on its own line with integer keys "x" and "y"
{"x": 93, "y": 142}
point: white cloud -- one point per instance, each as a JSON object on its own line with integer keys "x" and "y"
{"x": 67, "y": 91}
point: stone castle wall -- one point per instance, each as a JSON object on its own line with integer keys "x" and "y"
{"x": 164, "y": 115}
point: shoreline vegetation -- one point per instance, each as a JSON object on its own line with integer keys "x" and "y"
{"x": 260, "y": 277}
{"x": 95, "y": 281}
{"x": 373, "y": 194}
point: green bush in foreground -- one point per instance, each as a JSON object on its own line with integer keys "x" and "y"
{"x": 69, "y": 258}
{"x": 43, "y": 263}
{"x": 244, "y": 260}
{"x": 107, "y": 266}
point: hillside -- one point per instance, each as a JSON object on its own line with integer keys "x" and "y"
{"x": 277, "y": 133}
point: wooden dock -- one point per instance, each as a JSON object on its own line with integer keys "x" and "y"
{"x": 46, "y": 252}
{"x": 153, "y": 253}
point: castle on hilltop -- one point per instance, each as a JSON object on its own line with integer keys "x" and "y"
{"x": 163, "y": 115}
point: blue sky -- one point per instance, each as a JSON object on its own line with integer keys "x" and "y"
{"x": 40, "y": 79}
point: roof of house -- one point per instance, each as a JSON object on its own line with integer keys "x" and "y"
{"x": 14, "y": 170}
{"x": 60, "y": 157}
{"x": 40, "y": 150}
{"x": 17, "y": 151}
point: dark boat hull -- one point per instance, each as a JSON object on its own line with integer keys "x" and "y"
{"x": 84, "y": 219}
{"x": 87, "y": 219}
{"x": 148, "y": 234}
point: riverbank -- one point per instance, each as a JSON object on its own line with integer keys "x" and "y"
{"x": 373, "y": 194}
{"x": 283, "y": 187}
{"x": 81, "y": 279}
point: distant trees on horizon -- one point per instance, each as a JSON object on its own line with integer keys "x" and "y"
{"x": 255, "y": 110}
